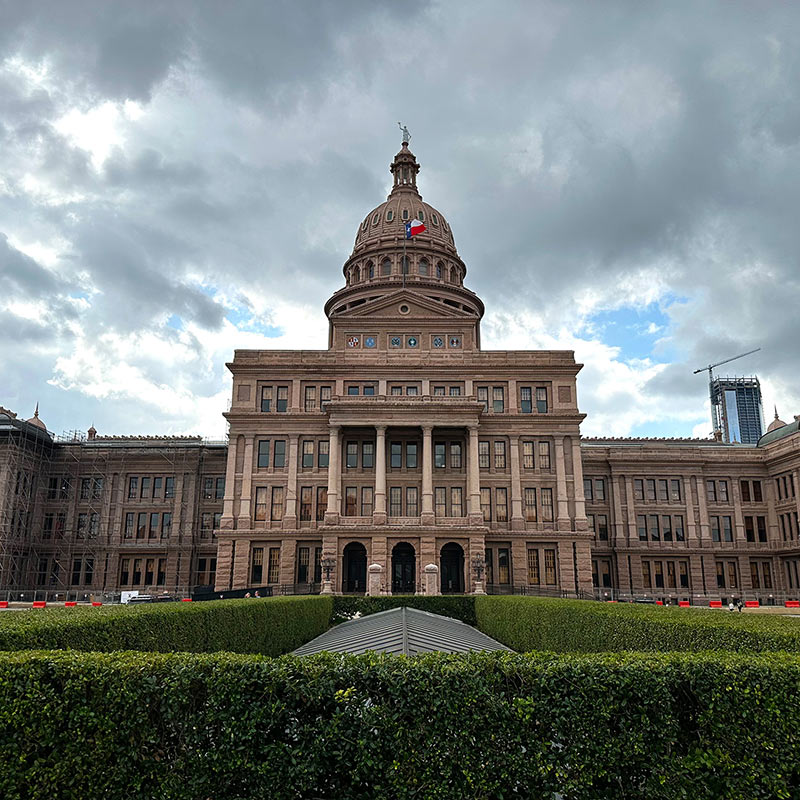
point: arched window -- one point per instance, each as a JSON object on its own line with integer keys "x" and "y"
{"x": 405, "y": 213}
{"x": 357, "y": 274}
{"x": 435, "y": 220}
{"x": 421, "y": 215}
{"x": 439, "y": 270}
{"x": 389, "y": 215}
{"x": 370, "y": 269}
{"x": 423, "y": 266}
{"x": 375, "y": 218}
{"x": 386, "y": 267}
{"x": 452, "y": 278}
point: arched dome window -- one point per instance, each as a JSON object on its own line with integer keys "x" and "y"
{"x": 389, "y": 215}
{"x": 439, "y": 269}
{"x": 423, "y": 266}
{"x": 421, "y": 215}
{"x": 386, "y": 267}
{"x": 370, "y": 269}
{"x": 405, "y": 213}
{"x": 357, "y": 274}
{"x": 452, "y": 277}
{"x": 375, "y": 218}
{"x": 435, "y": 220}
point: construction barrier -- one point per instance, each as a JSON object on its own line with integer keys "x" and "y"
{"x": 792, "y": 604}
{"x": 39, "y": 604}
{"x": 96, "y": 604}
{"x": 70, "y": 604}
{"x": 715, "y": 603}
{"x": 751, "y": 604}
{"x": 684, "y": 603}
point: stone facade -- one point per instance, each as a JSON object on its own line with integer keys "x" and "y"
{"x": 406, "y": 459}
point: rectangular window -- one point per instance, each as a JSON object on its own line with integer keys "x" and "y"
{"x": 501, "y": 504}
{"x": 52, "y": 489}
{"x": 220, "y": 489}
{"x": 755, "y": 575}
{"x": 732, "y": 577}
{"x": 310, "y": 403}
{"x": 324, "y": 395}
{"x": 273, "y": 568}
{"x": 367, "y": 455}
{"x": 77, "y": 566}
{"x": 169, "y": 487}
{"x": 86, "y": 487}
{"x": 666, "y": 527}
{"x": 276, "y": 512}
{"x": 546, "y": 497}
{"x": 544, "y": 456}
{"x": 141, "y": 525}
{"x": 149, "y": 571}
{"x": 658, "y": 574}
{"x": 602, "y": 527}
{"x": 683, "y": 574}
{"x": 486, "y": 503}
{"x": 757, "y": 496}
{"x": 503, "y": 566}
{"x": 322, "y": 502}
{"x": 282, "y": 399}
{"x": 650, "y": 485}
{"x": 279, "y": 453}
{"x": 711, "y": 491}
{"x": 166, "y": 524}
{"x": 261, "y": 504}
{"x": 647, "y": 580}
{"x": 499, "y": 455}
{"x": 124, "y": 571}
{"x": 322, "y": 452}
{"x": 527, "y": 455}
{"x": 395, "y": 391}
{"x": 411, "y": 455}
{"x": 766, "y": 571}
{"x": 308, "y": 453}
{"x": 412, "y": 503}
{"x": 655, "y": 532}
{"x": 369, "y": 390}
{"x": 723, "y": 491}
{"x": 663, "y": 494}
{"x": 749, "y": 529}
{"x": 638, "y": 489}
{"x": 541, "y": 399}
{"x": 761, "y": 523}
{"x": 153, "y": 531}
{"x": 675, "y": 490}
{"x": 257, "y": 566}
{"x": 217, "y": 522}
{"x": 133, "y": 488}
{"x": 351, "y": 455}
{"x": 525, "y": 400}
{"x": 455, "y": 455}
{"x": 351, "y": 501}
{"x": 678, "y": 525}
{"x": 208, "y": 488}
{"x": 533, "y": 567}
{"x": 727, "y": 529}
{"x": 352, "y": 391}
{"x": 671, "y": 582}
{"x": 714, "y": 528}
{"x": 600, "y": 489}
{"x": 205, "y": 524}
{"x": 720, "y": 575}
{"x": 366, "y": 501}
{"x": 302, "y": 564}
{"x": 498, "y": 400}
{"x": 396, "y": 455}
{"x": 395, "y": 501}
{"x": 455, "y": 391}
{"x": 137, "y": 572}
{"x": 550, "y": 567}
{"x": 530, "y": 504}
{"x": 439, "y": 455}
{"x": 440, "y": 501}
{"x": 483, "y": 397}
{"x": 438, "y": 391}
{"x": 412, "y": 391}
{"x": 306, "y": 503}
{"x": 745, "y": 486}
{"x": 483, "y": 455}
{"x": 489, "y": 564}
{"x": 88, "y": 571}
{"x": 263, "y": 453}
{"x": 129, "y": 525}
{"x": 145, "y": 492}
{"x": 588, "y": 491}
{"x": 266, "y": 398}
{"x": 456, "y": 502}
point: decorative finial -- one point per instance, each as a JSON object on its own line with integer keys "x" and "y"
{"x": 36, "y": 412}
{"x": 406, "y": 134}
{"x": 776, "y": 411}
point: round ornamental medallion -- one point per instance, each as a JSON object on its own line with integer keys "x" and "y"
{"x": 411, "y": 341}
{"x": 369, "y": 341}
{"x": 396, "y": 341}
{"x": 438, "y": 341}
{"x": 353, "y": 341}
{"x": 455, "y": 341}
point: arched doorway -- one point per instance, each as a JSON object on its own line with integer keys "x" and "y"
{"x": 404, "y": 569}
{"x": 452, "y": 568}
{"x": 354, "y": 568}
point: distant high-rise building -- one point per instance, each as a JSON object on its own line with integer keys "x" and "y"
{"x": 736, "y": 408}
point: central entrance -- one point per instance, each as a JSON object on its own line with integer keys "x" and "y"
{"x": 452, "y": 560}
{"x": 354, "y": 572}
{"x": 404, "y": 569}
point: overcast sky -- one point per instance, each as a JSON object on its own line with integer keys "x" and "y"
{"x": 179, "y": 179}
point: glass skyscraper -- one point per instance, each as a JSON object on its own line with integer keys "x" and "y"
{"x": 737, "y": 411}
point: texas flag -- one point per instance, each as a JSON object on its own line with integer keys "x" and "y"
{"x": 413, "y": 228}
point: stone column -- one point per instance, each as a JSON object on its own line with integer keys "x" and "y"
{"x": 227, "y": 522}
{"x": 633, "y": 525}
{"x": 334, "y": 476}
{"x": 243, "y": 520}
{"x": 290, "y": 512}
{"x": 427, "y": 517}
{"x": 474, "y": 478}
{"x": 374, "y": 580}
{"x": 581, "y": 524}
{"x": 704, "y": 532}
{"x": 379, "y": 515}
{"x": 562, "y": 517}
{"x": 615, "y": 523}
{"x": 517, "y": 518}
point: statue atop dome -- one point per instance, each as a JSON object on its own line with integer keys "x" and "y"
{"x": 406, "y": 134}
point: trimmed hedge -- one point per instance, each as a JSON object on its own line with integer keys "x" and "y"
{"x": 457, "y": 606}
{"x": 580, "y": 626}
{"x": 491, "y": 725}
{"x": 270, "y": 626}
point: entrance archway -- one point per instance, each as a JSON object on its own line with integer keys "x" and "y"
{"x": 452, "y": 568}
{"x": 404, "y": 569}
{"x": 354, "y": 568}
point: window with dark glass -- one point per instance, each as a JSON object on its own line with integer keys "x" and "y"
{"x": 351, "y": 501}
{"x": 761, "y": 523}
{"x": 638, "y": 489}
{"x": 727, "y": 529}
{"x": 157, "y": 486}
{"x": 396, "y": 455}
{"x": 306, "y": 503}
{"x": 666, "y": 527}
{"x": 483, "y": 397}
{"x": 411, "y": 455}
{"x": 498, "y": 399}
{"x": 322, "y": 502}
{"x": 749, "y": 529}
{"x": 124, "y": 571}
{"x": 166, "y": 524}
{"x": 525, "y": 400}
{"x": 658, "y": 574}
{"x": 302, "y": 564}
{"x": 455, "y": 455}
{"x": 678, "y": 527}
{"x": 714, "y": 528}
{"x": 266, "y": 398}
{"x": 651, "y": 489}
{"x": 367, "y": 455}
{"x": 169, "y": 487}
{"x": 282, "y": 399}
{"x": 310, "y": 400}
{"x": 220, "y": 489}
{"x": 439, "y": 455}
{"x": 308, "y": 453}
{"x": 675, "y": 490}
{"x": 655, "y": 532}
{"x": 369, "y": 390}
{"x": 438, "y": 391}
{"x": 503, "y": 566}
{"x": 208, "y": 488}
{"x": 541, "y": 399}
{"x": 602, "y": 527}
{"x": 663, "y": 494}
{"x": 257, "y": 566}
{"x": 145, "y": 491}
{"x": 757, "y": 495}
{"x": 279, "y": 453}
{"x": 588, "y": 491}
{"x": 366, "y": 501}
{"x": 647, "y": 580}
{"x": 137, "y": 571}
{"x": 745, "y": 487}
{"x": 141, "y": 525}
{"x": 351, "y": 455}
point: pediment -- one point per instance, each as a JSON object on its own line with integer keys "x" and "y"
{"x": 387, "y": 307}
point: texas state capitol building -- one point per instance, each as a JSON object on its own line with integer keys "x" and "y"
{"x": 402, "y": 459}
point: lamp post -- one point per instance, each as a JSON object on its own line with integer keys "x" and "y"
{"x": 478, "y": 568}
{"x": 328, "y": 564}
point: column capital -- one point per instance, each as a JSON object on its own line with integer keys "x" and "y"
{"x": 427, "y": 430}
{"x": 473, "y": 427}
{"x": 381, "y": 428}
{"x": 334, "y": 427}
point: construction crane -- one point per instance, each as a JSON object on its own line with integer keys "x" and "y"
{"x": 710, "y": 369}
